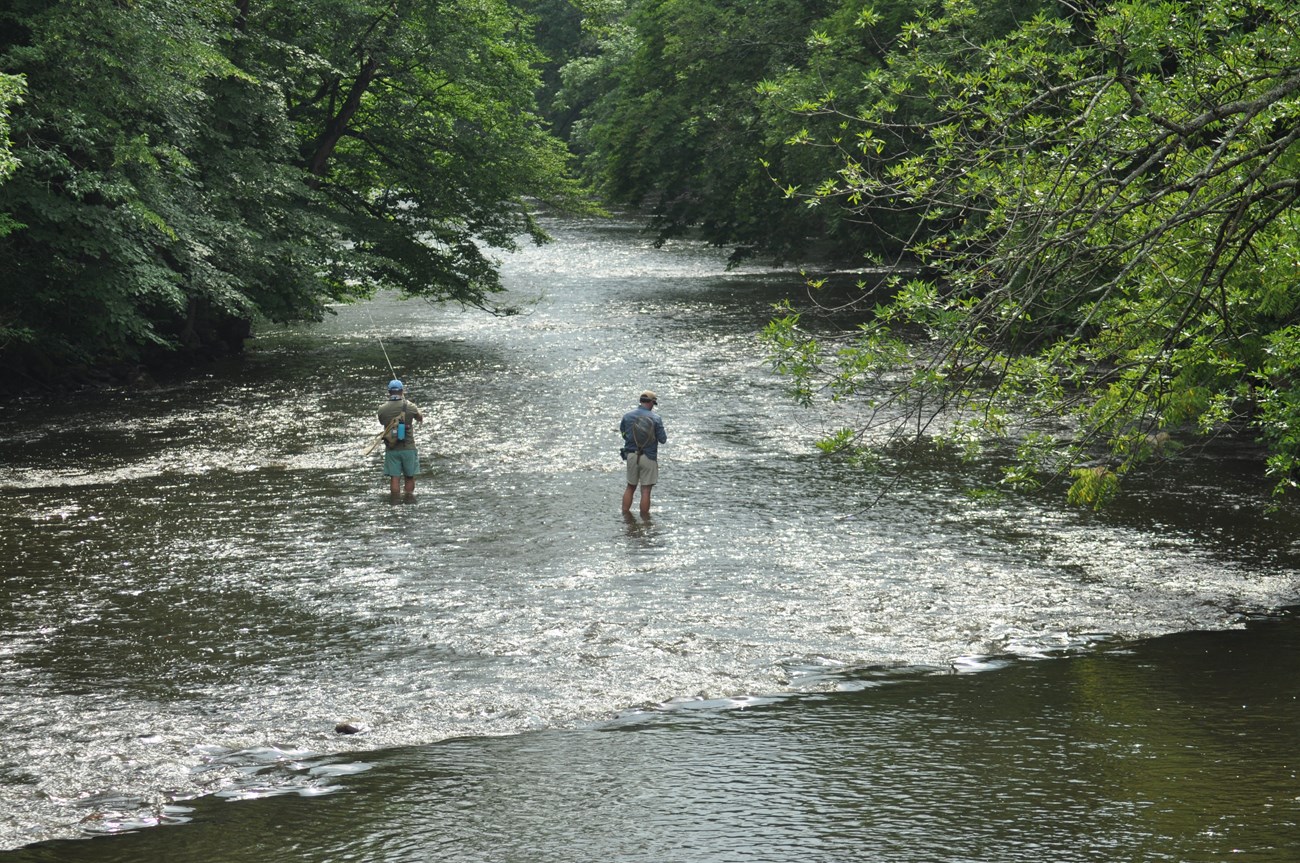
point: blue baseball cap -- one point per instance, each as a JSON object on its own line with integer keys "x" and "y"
{"x": 395, "y": 386}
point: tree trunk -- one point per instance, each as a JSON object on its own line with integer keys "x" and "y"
{"x": 337, "y": 125}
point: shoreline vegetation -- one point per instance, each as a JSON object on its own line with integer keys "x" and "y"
{"x": 1100, "y": 203}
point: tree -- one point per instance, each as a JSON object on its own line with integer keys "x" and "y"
{"x": 1108, "y": 196}
{"x": 416, "y": 125}
{"x": 561, "y": 37}
{"x": 185, "y": 167}
{"x": 11, "y": 90}
{"x": 674, "y": 123}
{"x": 112, "y": 233}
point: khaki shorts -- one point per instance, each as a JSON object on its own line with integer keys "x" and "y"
{"x": 641, "y": 470}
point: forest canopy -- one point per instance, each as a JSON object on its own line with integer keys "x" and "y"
{"x": 1099, "y": 200}
{"x": 182, "y": 168}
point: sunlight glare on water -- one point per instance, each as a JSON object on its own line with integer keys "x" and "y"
{"x": 204, "y": 579}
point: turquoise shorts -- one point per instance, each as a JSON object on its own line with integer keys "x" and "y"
{"x": 401, "y": 462}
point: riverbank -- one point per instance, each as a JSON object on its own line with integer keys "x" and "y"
{"x": 31, "y": 374}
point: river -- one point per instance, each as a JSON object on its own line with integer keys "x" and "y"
{"x": 203, "y": 580}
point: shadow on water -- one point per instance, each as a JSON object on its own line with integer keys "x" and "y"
{"x": 1214, "y": 498}
{"x": 1174, "y": 749}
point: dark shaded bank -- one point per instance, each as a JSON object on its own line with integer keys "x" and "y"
{"x": 197, "y": 342}
{"x": 1179, "y": 748}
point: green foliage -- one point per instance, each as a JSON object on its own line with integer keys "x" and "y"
{"x": 840, "y": 441}
{"x": 11, "y": 89}
{"x": 1108, "y": 197}
{"x": 1092, "y": 487}
{"x": 561, "y": 37}
{"x": 184, "y": 167}
{"x": 676, "y": 120}
{"x": 416, "y": 121}
{"x": 793, "y": 353}
{"x": 1277, "y": 389}
{"x": 102, "y": 141}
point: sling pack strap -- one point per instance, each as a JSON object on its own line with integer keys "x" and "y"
{"x": 390, "y": 430}
{"x": 642, "y": 424}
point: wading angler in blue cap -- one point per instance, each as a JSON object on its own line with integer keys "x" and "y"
{"x": 401, "y": 460}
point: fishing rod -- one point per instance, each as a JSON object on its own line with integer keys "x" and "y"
{"x": 379, "y": 437}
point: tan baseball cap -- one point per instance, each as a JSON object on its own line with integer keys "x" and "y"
{"x": 648, "y": 396}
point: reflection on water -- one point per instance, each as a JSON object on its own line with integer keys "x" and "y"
{"x": 202, "y": 581}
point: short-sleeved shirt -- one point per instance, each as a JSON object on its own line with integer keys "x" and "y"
{"x": 643, "y": 430}
{"x": 392, "y": 408}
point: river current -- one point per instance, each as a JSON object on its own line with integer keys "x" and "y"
{"x": 202, "y": 580}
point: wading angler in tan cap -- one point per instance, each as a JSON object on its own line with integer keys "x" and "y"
{"x": 643, "y": 431}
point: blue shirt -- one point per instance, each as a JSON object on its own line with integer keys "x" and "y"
{"x": 643, "y": 429}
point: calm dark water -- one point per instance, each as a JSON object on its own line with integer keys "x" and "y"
{"x": 1179, "y": 749}
{"x": 200, "y": 581}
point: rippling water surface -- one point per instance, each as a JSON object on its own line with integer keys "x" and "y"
{"x": 201, "y": 581}
{"x": 1176, "y": 750}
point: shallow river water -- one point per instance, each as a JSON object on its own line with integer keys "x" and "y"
{"x": 201, "y": 581}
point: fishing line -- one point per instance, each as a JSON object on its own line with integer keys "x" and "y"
{"x": 379, "y": 437}
{"x": 381, "y": 343}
